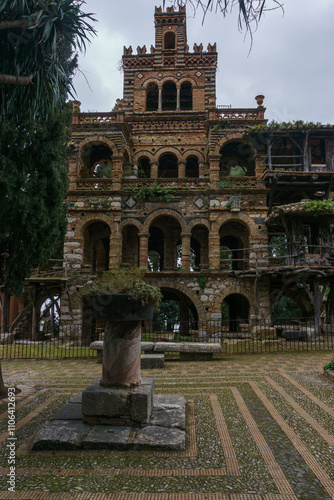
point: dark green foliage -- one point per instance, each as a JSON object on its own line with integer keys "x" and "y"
{"x": 155, "y": 191}
{"x": 318, "y": 207}
{"x": 168, "y": 315}
{"x": 287, "y": 310}
{"x": 329, "y": 366}
{"x": 201, "y": 280}
{"x": 33, "y": 186}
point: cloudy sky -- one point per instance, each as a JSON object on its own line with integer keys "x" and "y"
{"x": 291, "y": 61}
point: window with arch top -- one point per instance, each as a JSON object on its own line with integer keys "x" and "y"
{"x": 169, "y": 96}
{"x": 152, "y": 97}
{"x": 186, "y": 96}
{"x": 169, "y": 40}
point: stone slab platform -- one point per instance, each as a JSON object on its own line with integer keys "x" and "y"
{"x": 164, "y": 431}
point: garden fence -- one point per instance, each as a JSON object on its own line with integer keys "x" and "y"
{"x": 236, "y": 336}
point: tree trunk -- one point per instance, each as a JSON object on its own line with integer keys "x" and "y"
{"x": 3, "y": 388}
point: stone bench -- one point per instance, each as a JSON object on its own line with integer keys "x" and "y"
{"x": 200, "y": 351}
{"x": 147, "y": 360}
{"x": 195, "y": 351}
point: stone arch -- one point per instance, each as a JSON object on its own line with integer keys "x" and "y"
{"x": 199, "y": 244}
{"x": 193, "y": 152}
{"x": 164, "y": 243}
{"x": 86, "y": 162}
{"x": 165, "y": 283}
{"x": 143, "y": 152}
{"x": 88, "y": 219}
{"x": 167, "y": 150}
{"x": 233, "y": 137}
{"x": 237, "y": 158}
{"x": 199, "y": 222}
{"x": 238, "y": 217}
{"x": 130, "y": 222}
{"x": 234, "y": 245}
{"x": 164, "y": 212}
{"x": 236, "y": 311}
{"x": 99, "y": 138}
{"x": 96, "y": 245}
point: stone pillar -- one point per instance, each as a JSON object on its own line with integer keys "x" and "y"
{"x": 117, "y": 172}
{"x": 214, "y": 251}
{"x": 259, "y": 164}
{"x": 181, "y": 169}
{"x": 186, "y": 237}
{"x": 214, "y": 170}
{"x": 143, "y": 249}
{"x": 160, "y": 99}
{"x": 178, "y": 92}
{"x": 121, "y": 354}
{"x": 154, "y": 170}
{"x": 115, "y": 252}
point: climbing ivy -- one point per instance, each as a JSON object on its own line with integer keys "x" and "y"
{"x": 145, "y": 193}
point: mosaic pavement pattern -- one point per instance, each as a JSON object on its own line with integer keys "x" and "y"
{"x": 258, "y": 428}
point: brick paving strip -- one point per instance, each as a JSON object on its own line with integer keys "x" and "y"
{"x": 45, "y": 495}
{"x": 312, "y": 463}
{"x": 309, "y": 394}
{"x": 329, "y": 438}
{"x": 273, "y": 467}
{"x": 22, "y": 403}
{"x": 232, "y": 466}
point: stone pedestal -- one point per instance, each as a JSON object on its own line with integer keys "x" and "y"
{"x": 116, "y": 405}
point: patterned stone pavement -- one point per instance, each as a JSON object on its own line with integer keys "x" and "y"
{"x": 258, "y": 428}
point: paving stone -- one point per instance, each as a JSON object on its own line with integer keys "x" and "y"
{"x": 77, "y": 398}
{"x": 61, "y": 435}
{"x": 107, "y": 437}
{"x": 153, "y": 437}
{"x": 71, "y": 411}
{"x": 169, "y": 416}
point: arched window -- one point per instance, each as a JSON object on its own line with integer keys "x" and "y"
{"x": 235, "y": 311}
{"x": 152, "y": 97}
{"x": 144, "y": 168}
{"x": 236, "y": 160}
{"x": 97, "y": 246}
{"x": 169, "y": 96}
{"x": 169, "y": 40}
{"x": 96, "y": 160}
{"x": 186, "y": 96}
{"x": 168, "y": 166}
{"x": 192, "y": 169}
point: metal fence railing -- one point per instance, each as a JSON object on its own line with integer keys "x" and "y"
{"x": 237, "y": 336}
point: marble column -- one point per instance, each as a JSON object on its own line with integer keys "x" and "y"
{"x": 121, "y": 354}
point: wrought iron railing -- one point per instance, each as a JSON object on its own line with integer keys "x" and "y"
{"x": 236, "y": 336}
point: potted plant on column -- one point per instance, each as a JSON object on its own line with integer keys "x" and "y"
{"x": 123, "y": 299}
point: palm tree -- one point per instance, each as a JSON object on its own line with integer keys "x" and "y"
{"x": 39, "y": 42}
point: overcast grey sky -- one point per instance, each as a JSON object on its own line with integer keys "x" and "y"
{"x": 291, "y": 61}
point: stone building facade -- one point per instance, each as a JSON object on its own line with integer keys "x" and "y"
{"x": 174, "y": 183}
